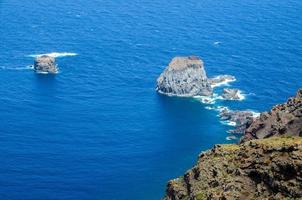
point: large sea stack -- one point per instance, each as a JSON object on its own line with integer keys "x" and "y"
{"x": 45, "y": 64}
{"x": 186, "y": 77}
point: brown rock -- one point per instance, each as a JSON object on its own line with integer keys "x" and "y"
{"x": 45, "y": 64}
{"x": 283, "y": 119}
{"x": 260, "y": 169}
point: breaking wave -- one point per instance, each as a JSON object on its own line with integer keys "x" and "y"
{"x": 241, "y": 96}
{"x": 231, "y": 137}
{"x": 228, "y": 123}
{"x": 54, "y": 54}
{"x": 209, "y": 99}
{"x": 29, "y": 67}
{"x": 225, "y": 82}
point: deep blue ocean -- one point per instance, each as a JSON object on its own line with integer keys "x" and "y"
{"x": 98, "y": 130}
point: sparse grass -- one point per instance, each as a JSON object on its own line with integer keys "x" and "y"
{"x": 230, "y": 147}
{"x": 201, "y": 196}
{"x": 280, "y": 141}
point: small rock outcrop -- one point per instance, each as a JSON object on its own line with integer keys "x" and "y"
{"x": 185, "y": 76}
{"x": 231, "y": 94}
{"x": 221, "y": 79}
{"x": 268, "y": 169}
{"x": 242, "y": 119}
{"x": 283, "y": 119}
{"x": 45, "y": 64}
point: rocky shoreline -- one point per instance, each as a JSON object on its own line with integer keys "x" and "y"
{"x": 241, "y": 119}
{"x": 258, "y": 169}
{"x": 267, "y": 167}
{"x": 282, "y": 119}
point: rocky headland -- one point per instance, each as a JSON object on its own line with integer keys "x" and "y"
{"x": 257, "y": 168}
{"x": 45, "y": 64}
{"x": 240, "y": 119}
{"x": 184, "y": 76}
{"x": 283, "y": 119}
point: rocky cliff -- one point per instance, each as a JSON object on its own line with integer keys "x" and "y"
{"x": 259, "y": 169}
{"x": 263, "y": 169}
{"x": 283, "y": 119}
{"x": 185, "y": 76}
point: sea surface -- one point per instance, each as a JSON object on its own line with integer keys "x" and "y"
{"x": 98, "y": 130}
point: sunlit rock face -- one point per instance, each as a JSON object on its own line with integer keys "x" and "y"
{"x": 184, "y": 76}
{"x": 45, "y": 64}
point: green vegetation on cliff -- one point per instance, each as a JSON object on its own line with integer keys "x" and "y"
{"x": 258, "y": 169}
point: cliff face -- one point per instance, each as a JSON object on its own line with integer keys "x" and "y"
{"x": 185, "y": 76}
{"x": 283, "y": 119}
{"x": 258, "y": 169}
{"x": 268, "y": 168}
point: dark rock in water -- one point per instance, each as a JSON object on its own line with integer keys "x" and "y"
{"x": 221, "y": 79}
{"x": 45, "y": 64}
{"x": 260, "y": 169}
{"x": 283, "y": 119}
{"x": 242, "y": 119}
{"x": 231, "y": 94}
{"x": 185, "y": 76}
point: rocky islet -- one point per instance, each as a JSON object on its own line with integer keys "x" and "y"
{"x": 45, "y": 64}
{"x": 186, "y": 77}
{"x": 221, "y": 79}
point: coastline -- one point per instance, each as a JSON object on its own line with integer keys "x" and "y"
{"x": 249, "y": 169}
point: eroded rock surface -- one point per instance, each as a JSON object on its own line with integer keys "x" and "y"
{"x": 283, "y": 119}
{"x": 268, "y": 169}
{"x": 242, "y": 119}
{"x": 185, "y": 76}
{"x": 45, "y": 64}
{"x": 260, "y": 169}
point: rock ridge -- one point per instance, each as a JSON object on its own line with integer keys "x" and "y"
{"x": 283, "y": 119}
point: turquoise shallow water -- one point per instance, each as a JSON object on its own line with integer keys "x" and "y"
{"x": 98, "y": 130}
